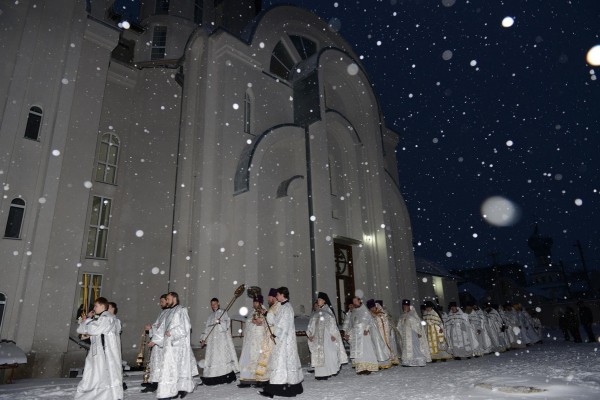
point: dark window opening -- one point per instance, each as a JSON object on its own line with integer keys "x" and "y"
{"x": 14, "y": 222}
{"x": 34, "y": 122}
{"x": 247, "y": 113}
{"x": 162, "y": 7}
{"x": 304, "y": 46}
{"x": 198, "y": 11}
{"x": 159, "y": 43}
{"x": 281, "y": 61}
{"x": 2, "y": 305}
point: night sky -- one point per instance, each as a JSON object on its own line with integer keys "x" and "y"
{"x": 485, "y": 110}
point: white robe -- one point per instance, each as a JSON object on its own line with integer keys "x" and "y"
{"x": 102, "y": 374}
{"x": 179, "y": 364}
{"x": 476, "y": 318}
{"x": 254, "y": 337}
{"x": 413, "y": 340}
{"x": 327, "y": 352}
{"x": 284, "y": 364}
{"x": 497, "y": 335}
{"x": 529, "y": 333}
{"x": 438, "y": 346}
{"x": 220, "y": 358}
{"x": 381, "y": 341}
{"x": 513, "y": 328}
{"x": 362, "y": 350}
{"x": 262, "y": 371}
{"x": 156, "y": 335}
{"x": 459, "y": 333}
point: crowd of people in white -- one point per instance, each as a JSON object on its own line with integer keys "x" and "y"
{"x": 377, "y": 342}
{"x": 269, "y": 358}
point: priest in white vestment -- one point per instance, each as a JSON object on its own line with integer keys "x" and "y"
{"x": 327, "y": 353}
{"x": 380, "y": 333}
{"x": 221, "y": 361}
{"x": 285, "y": 370}
{"x": 262, "y": 371}
{"x": 513, "y": 326}
{"x": 459, "y": 333}
{"x": 530, "y": 335}
{"x": 393, "y": 332}
{"x": 358, "y": 334}
{"x": 438, "y": 345}
{"x": 256, "y": 338}
{"x": 179, "y": 363}
{"x": 413, "y": 338}
{"x": 102, "y": 374}
{"x": 495, "y": 329}
{"x": 156, "y": 333}
{"x": 479, "y": 329}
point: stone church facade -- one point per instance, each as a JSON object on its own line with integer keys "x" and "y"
{"x": 209, "y": 144}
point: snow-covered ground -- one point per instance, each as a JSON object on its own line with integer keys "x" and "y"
{"x": 563, "y": 370}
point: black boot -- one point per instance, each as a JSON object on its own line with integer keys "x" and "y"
{"x": 150, "y": 388}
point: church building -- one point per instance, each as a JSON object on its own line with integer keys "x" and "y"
{"x": 192, "y": 146}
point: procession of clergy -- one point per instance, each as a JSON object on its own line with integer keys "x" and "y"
{"x": 269, "y": 357}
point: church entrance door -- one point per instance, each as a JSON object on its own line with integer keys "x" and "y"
{"x": 344, "y": 274}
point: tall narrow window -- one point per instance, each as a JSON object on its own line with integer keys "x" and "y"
{"x": 159, "y": 43}
{"x": 247, "y": 112}
{"x": 162, "y": 6}
{"x": 90, "y": 289}
{"x": 98, "y": 229}
{"x": 34, "y": 122}
{"x": 107, "y": 158}
{"x": 2, "y": 306}
{"x": 15, "y": 219}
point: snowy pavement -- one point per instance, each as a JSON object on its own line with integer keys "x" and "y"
{"x": 563, "y": 370}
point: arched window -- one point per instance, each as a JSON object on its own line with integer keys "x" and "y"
{"x": 34, "y": 122}
{"x": 107, "y": 158}
{"x": 290, "y": 51}
{"x": 15, "y": 219}
{"x": 2, "y": 305}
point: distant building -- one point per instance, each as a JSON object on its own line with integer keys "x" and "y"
{"x": 436, "y": 283}
{"x": 501, "y": 283}
{"x": 210, "y": 144}
{"x": 547, "y": 278}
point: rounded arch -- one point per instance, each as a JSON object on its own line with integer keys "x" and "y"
{"x": 337, "y": 118}
{"x": 252, "y": 150}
